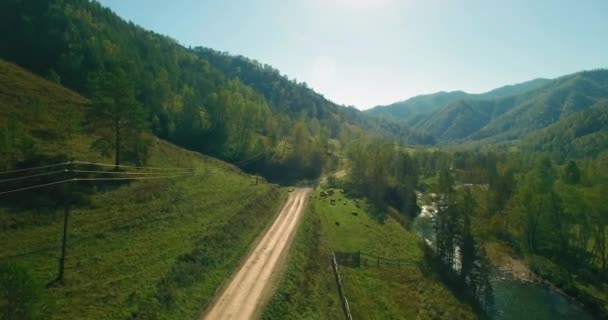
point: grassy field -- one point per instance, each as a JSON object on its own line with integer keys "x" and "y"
{"x": 153, "y": 249}
{"x": 308, "y": 290}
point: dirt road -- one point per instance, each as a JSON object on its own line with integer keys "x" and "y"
{"x": 249, "y": 289}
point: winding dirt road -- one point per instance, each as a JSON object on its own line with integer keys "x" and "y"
{"x": 251, "y": 286}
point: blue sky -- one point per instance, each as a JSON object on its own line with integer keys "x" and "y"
{"x": 370, "y": 52}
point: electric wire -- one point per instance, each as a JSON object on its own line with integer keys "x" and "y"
{"x": 37, "y": 186}
{"x": 92, "y": 179}
{"x": 116, "y": 172}
{"x": 35, "y": 168}
{"x": 132, "y": 167}
{"x": 34, "y": 175}
{"x": 130, "y": 178}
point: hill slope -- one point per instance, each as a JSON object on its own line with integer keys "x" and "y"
{"x": 581, "y": 135}
{"x": 156, "y": 248}
{"x": 189, "y": 98}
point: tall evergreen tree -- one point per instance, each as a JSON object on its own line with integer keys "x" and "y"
{"x": 116, "y": 116}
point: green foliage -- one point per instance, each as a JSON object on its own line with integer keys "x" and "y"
{"x": 572, "y": 174}
{"x": 579, "y": 135}
{"x": 383, "y": 174}
{"x": 15, "y": 142}
{"x": 117, "y": 118}
{"x": 308, "y": 290}
{"x": 21, "y": 297}
{"x": 125, "y": 240}
{"x": 225, "y": 106}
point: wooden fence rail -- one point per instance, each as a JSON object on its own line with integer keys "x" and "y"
{"x": 359, "y": 259}
{"x": 343, "y": 299}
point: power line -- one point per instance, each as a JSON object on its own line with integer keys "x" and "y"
{"x": 35, "y": 168}
{"x": 90, "y": 179}
{"x": 38, "y": 186}
{"x": 133, "y": 167}
{"x": 115, "y": 172}
{"x": 34, "y": 175}
{"x": 132, "y": 178}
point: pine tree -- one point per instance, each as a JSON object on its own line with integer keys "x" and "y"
{"x": 116, "y": 115}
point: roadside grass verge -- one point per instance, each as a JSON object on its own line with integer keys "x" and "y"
{"x": 373, "y": 293}
{"x": 131, "y": 243}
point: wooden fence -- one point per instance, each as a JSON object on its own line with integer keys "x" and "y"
{"x": 359, "y": 259}
{"x": 343, "y": 299}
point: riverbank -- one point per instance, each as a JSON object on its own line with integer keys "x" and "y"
{"x": 512, "y": 268}
{"x": 502, "y": 258}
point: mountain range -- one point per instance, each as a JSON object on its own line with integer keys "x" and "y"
{"x": 526, "y": 114}
{"x": 202, "y": 99}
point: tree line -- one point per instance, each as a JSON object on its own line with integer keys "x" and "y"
{"x": 551, "y": 214}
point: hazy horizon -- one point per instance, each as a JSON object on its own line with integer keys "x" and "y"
{"x": 366, "y": 53}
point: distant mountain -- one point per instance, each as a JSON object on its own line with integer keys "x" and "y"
{"x": 545, "y": 106}
{"x": 416, "y": 106}
{"x": 514, "y": 89}
{"x": 509, "y": 113}
{"x": 411, "y": 110}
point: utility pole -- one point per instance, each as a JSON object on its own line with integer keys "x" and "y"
{"x": 66, "y": 216}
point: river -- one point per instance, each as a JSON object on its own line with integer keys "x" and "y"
{"x": 514, "y": 299}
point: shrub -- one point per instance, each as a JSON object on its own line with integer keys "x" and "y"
{"x": 20, "y": 295}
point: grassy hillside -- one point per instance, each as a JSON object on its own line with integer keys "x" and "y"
{"x": 308, "y": 290}
{"x": 148, "y": 249}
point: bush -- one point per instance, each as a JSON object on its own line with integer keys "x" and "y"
{"x": 550, "y": 271}
{"x": 20, "y": 295}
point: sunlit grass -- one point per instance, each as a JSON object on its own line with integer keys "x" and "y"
{"x": 309, "y": 288}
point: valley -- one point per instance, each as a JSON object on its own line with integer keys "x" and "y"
{"x": 145, "y": 175}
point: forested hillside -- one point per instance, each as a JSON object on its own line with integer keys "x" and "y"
{"x": 294, "y": 98}
{"x": 418, "y": 106}
{"x": 195, "y": 98}
{"x": 581, "y": 135}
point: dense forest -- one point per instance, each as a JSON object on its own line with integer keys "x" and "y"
{"x": 553, "y": 214}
